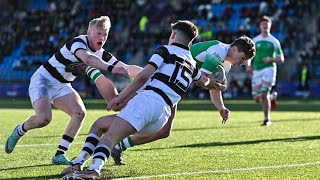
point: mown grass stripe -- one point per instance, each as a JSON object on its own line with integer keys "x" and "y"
{"x": 223, "y": 171}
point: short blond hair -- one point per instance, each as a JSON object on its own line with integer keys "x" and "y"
{"x": 101, "y": 22}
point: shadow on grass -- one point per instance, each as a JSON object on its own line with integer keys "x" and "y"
{"x": 303, "y": 138}
{"x": 202, "y": 128}
{"x": 258, "y": 122}
{"x": 299, "y": 119}
{"x": 22, "y": 167}
{"x": 36, "y": 177}
{"x": 206, "y": 128}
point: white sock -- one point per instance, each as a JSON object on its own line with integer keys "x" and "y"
{"x": 124, "y": 144}
{"x": 21, "y": 130}
{"x": 101, "y": 155}
{"x": 88, "y": 148}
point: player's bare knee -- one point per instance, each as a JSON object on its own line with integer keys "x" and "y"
{"x": 43, "y": 120}
{"x": 265, "y": 90}
{"x": 164, "y": 134}
{"x": 80, "y": 114}
{"x": 256, "y": 95}
{"x": 264, "y": 96}
{"x": 95, "y": 125}
{"x": 98, "y": 127}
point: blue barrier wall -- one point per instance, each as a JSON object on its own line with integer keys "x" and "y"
{"x": 20, "y": 89}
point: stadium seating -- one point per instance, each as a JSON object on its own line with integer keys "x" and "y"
{"x": 227, "y": 20}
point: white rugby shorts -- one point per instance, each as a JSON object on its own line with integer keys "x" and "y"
{"x": 267, "y": 74}
{"x": 146, "y": 113}
{"x": 42, "y": 87}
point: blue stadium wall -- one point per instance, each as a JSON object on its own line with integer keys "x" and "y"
{"x": 20, "y": 89}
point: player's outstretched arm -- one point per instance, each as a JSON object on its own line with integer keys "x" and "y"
{"x": 133, "y": 70}
{"x": 94, "y": 61}
{"x": 132, "y": 88}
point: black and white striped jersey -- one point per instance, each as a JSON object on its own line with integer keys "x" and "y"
{"x": 176, "y": 69}
{"x": 54, "y": 69}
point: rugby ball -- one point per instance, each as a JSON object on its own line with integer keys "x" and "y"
{"x": 220, "y": 73}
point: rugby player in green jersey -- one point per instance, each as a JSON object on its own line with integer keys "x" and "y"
{"x": 264, "y": 68}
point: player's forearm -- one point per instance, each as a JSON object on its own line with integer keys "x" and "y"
{"x": 207, "y": 83}
{"x": 133, "y": 87}
{"x": 278, "y": 60}
{"x": 106, "y": 88}
{"x": 203, "y": 82}
{"x": 216, "y": 99}
{"x": 96, "y": 62}
{"x": 132, "y": 69}
{"x": 93, "y": 60}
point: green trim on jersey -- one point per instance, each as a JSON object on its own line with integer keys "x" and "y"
{"x": 210, "y": 60}
{"x": 200, "y": 47}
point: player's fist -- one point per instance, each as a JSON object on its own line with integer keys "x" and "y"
{"x": 120, "y": 70}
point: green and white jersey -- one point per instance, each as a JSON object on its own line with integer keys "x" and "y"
{"x": 209, "y": 54}
{"x": 266, "y": 47}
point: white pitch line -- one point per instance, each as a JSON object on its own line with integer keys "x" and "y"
{"x": 37, "y": 145}
{"x": 185, "y": 173}
{"x": 222, "y": 171}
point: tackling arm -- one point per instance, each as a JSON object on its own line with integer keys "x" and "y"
{"x": 94, "y": 61}
{"x": 132, "y": 88}
{"x": 133, "y": 70}
{"x": 210, "y": 82}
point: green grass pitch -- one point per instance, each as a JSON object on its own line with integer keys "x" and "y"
{"x": 199, "y": 146}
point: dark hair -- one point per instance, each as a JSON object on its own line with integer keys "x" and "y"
{"x": 187, "y": 27}
{"x": 245, "y": 45}
{"x": 265, "y": 18}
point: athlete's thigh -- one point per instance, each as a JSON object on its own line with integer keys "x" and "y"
{"x": 266, "y": 84}
{"x": 104, "y": 122}
{"x": 256, "y": 82}
{"x": 69, "y": 103}
{"x": 38, "y": 88}
{"x": 169, "y": 124}
{"x": 269, "y": 76}
{"x": 43, "y": 106}
{"x": 39, "y": 95}
{"x": 160, "y": 116}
